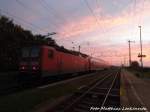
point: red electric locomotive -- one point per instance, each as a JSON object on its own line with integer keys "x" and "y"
{"x": 44, "y": 61}
{"x": 47, "y": 61}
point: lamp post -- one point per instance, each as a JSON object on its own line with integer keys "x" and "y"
{"x": 141, "y": 54}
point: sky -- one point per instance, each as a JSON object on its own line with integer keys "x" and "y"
{"x": 101, "y": 27}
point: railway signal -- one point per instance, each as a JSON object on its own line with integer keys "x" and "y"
{"x": 139, "y": 55}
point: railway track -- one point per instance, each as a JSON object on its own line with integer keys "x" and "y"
{"x": 102, "y": 94}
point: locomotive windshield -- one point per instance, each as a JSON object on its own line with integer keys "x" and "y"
{"x": 25, "y": 52}
{"x": 30, "y": 52}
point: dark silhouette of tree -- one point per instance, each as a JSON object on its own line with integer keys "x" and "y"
{"x": 135, "y": 65}
{"x": 12, "y": 38}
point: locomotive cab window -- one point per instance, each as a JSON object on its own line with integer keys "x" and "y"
{"x": 25, "y": 52}
{"x": 50, "y": 53}
{"x": 35, "y": 52}
{"x": 30, "y": 52}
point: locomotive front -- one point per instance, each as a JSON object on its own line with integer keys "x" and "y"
{"x": 30, "y": 60}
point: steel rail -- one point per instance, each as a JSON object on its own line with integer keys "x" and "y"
{"x": 111, "y": 86}
{"x": 86, "y": 92}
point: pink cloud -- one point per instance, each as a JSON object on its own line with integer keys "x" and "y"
{"x": 88, "y": 24}
{"x": 116, "y": 26}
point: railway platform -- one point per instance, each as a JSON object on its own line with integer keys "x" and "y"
{"x": 134, "y": 92}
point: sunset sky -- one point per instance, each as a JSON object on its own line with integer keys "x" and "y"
{"x": 101, "y": 27}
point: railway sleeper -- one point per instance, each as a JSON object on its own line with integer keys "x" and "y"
{"x": 99, "y": 95}
{"x": 104, "y": 92}
{"x": 115, "y": 90}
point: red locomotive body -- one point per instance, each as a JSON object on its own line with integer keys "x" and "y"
{"x": 43, "y": 61}
{"x": 57, "y": 63}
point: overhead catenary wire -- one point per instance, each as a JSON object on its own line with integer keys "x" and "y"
{"x": 137, "y": 15}
{"x": 101, "y": 18}
{"x": 52, "y": 11}
{"x": 92, "y": 12}
{"x": 135, "y": 18}
{"x": 98, "y": 6}
{"x": 50, "y": 15}
{"x": 133, "y": 15}
{"x": 48, "y": 9}
{"x": 138, "y": 22}
{"x": 55, "y": 13}
{"x": 37, "y": 12}
{"x": 97, "y": 19}
{"x": 32, "y": 26}
{"x": 20, "y": 19}
{"x": 141, "y": 9}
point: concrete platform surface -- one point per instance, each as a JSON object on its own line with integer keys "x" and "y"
{"x": 134, "y": 92}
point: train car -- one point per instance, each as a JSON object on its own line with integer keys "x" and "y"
{"x": 98, "y": 64}
{"x": 43, "y": 61}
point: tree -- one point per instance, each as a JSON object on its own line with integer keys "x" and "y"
{"x": 135, "y": 64}
{"x": 12, "y": 38}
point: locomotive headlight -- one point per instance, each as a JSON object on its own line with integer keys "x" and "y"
{"x": 22, "y": 67}
{"x": 35, "y": 67}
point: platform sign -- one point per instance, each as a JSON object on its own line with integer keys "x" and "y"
{"x": 141, "y": 55}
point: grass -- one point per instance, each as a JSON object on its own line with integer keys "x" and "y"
{"x": 7, "y": 80}
{"x": 26, "y": 101}
{"x": 145, "y": 73}
{"x": 23, "y": 102}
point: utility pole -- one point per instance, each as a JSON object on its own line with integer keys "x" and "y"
{"x": 141, "y": 54}
{"x": 79, "y": 48}
{"x": 124, "y": 60}
{"x": 73, "y": 47}
{"x": 129, "y": 41}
